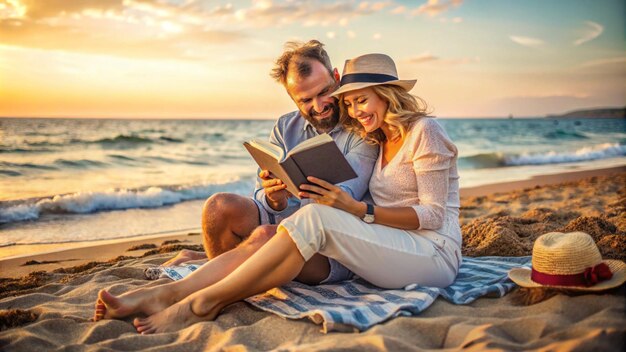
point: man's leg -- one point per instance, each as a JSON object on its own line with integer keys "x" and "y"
{"x": 227, "y": 220}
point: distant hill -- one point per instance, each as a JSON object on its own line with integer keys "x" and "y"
{"x": 605, "y": 113}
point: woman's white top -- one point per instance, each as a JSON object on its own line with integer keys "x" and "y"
{"x": 422, "y": 175}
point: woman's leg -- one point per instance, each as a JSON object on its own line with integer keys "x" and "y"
{"x": 274, "y": 264}
{"x": 149, "y": 300}
{"x": 385, "y": 256}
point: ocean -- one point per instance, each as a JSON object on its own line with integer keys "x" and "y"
{"x": 76, "y": 180}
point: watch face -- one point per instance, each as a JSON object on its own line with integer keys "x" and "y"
{"x": 368, "y": 218}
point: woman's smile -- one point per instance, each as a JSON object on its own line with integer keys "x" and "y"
{"x": 366, "y": 120}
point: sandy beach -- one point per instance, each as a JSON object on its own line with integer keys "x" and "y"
{"x": 46, "y": 300}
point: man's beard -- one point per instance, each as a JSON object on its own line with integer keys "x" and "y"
{"x": 326, "y": 124}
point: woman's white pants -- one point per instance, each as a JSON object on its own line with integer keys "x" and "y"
{"x": 385, "y": 256}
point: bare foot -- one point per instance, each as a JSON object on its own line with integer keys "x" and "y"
{"x": 176, "y": 317}
{"x": 143, "y": 300}
{"x": 100, "y": 310}
{"x": 184, "y": 256}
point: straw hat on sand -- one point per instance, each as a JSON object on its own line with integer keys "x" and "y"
{"x": 371, "y": 70}
{"x": 570, "y": 261}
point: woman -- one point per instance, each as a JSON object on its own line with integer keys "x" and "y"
{"x": 412, "y": 235}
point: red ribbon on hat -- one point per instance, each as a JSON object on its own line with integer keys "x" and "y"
{"x": 587, "y": 278}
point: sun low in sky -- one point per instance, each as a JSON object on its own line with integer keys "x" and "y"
{"x": 211, "y": 59}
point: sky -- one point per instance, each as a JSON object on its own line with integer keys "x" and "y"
{"x": 211, "y": 59}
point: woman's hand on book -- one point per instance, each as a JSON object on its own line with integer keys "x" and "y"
{"x": 276, "y": 192}
{"x": 326, "y": 193}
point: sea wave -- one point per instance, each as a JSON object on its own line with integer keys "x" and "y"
{"x": 7, "y": 164}
{"x": 6, "y": 149}
{"x": 482, "y": 161}
{"x": 495, "y": 160}
{"x": 115, "y": 199}
{"x": 122, "y": 138}
{"x": 602, "y": 151}
{"x": 562, "y": 134}
{"x": 127, "y": 139}
{"x": 82, "y": 163}
{"x": 112, "y": 160}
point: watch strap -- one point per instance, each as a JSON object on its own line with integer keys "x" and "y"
{"x": 370, "y": 209}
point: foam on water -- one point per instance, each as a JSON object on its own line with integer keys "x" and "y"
{"x": 602, "y": 151}
{"x": 496, "y": 160}
{"x": 115, "y": 199}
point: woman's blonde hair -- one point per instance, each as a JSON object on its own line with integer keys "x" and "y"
{"x": 403, "y": 109}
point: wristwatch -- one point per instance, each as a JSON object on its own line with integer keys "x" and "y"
{"x": 369, "y": 214}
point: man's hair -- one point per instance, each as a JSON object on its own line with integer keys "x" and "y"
{"x": 298, "y": 55}
{"x": 403, "y": 109}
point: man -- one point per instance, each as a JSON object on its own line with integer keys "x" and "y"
{"x": 229, "y": 220}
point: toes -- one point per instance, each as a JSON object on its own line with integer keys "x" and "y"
{"x": 138, "y": 322}
{"x": 99, "y": 312}
{"x": 143, "y": 326}
{"x": 107, "y": 298}
{"x": 148, "y": 332}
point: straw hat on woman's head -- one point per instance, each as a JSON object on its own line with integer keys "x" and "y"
{"x": 569, "y": 261}
{"x": 371, "y": 70}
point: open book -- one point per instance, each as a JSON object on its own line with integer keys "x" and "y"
{"x": 318, "y": 156}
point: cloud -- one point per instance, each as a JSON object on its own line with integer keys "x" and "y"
{"x": 452, "y": 20}
{"x": 162, "y": 28}
{"x": 428, "y": 58}
{"x": 604, "y": 62}
{"x": 308, "y": 13}
{"x": 379, "y": 6}
{"x": 260, "y": 13}
{"x": 593, "y": 31}
{"x": 128, "y": 28}
{"x": 398, "y": 10}
{"x": 32, "y": 34}
{"x": 434, "y": 8}
{"x": 527, "y": 41}
{"x": 258, "y": 60}
{"x": 38, "y": 9}
{"x": 422, "y": 58}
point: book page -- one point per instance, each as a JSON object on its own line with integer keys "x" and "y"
{"x": 268, "y": 161}
{"x": 310, "y": 143}
{"x": 267, "y": 148}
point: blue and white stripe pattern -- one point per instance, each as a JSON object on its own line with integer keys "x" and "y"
{"x": 177, "y": 272}
{"x": 357, "y": 305}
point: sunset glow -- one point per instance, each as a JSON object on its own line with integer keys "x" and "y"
{"x": 211, "y": 59}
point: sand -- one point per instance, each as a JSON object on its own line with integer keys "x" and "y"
{"x": 47, "y": 310}
{"x": 55, "y": 258}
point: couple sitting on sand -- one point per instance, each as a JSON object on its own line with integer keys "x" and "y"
{"x": 411, "y": 234}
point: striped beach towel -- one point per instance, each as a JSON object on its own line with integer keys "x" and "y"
{"x": 356, "y": 305}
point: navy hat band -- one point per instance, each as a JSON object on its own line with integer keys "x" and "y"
{"x": 366, "y": 78}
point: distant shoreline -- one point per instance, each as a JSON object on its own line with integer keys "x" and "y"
{"x": 602, "y": 113}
